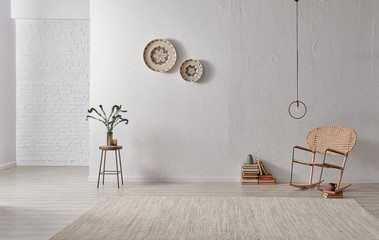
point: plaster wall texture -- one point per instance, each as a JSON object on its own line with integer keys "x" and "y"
{"x": 7, "y": 88}
{"x": 203, "y": 131}
{"x": 52, "y": 61}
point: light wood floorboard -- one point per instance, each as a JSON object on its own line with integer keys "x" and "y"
{"x": 37, "y": 202}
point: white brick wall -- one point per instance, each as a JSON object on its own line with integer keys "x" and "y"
{"x": 52, "y": 65}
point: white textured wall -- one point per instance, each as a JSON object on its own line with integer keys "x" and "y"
{"x": 52, "y": 92}
{"x": 50, "y": 9}
{"x": 203, "y": 131}
{"x": 7, "y": 88}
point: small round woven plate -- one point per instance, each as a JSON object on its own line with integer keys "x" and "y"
{"x": 159, "y": 55}
{"x": 191, "y": 70}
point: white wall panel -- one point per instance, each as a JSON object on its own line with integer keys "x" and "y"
{"x": 52, "y": 92}
{"x": 7, "y": 87}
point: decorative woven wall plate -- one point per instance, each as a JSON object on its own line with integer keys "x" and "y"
{"x": 159, "y": 55}
{"x": 191, "y": 70}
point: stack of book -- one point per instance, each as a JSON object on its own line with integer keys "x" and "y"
{"x": 332, "y": 194}
{"x": 256, "y": 173}
{"x": 249, "y": 173}
{"x": 266, "y": 179}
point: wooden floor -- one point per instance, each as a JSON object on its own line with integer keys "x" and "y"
{"x": 37, "y": 202}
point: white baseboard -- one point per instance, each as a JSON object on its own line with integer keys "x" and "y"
{"x": 344, "y": 180}
{"x": 53, "y": 164}
{"x": 112, "y": 178}
{"x": 7, "y": 165}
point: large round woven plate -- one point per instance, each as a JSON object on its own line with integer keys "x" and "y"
{"x": 159, "y": 55}
{"x": 191, "y": 70}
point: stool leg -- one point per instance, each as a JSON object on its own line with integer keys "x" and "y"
{"x": 98, "y": 177}
{"x": 119, "y": 158}
{"x": 118, "y": 182}
{"x": 105, "y": 157}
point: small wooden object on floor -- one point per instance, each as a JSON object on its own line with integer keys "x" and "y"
{"x": 332, "y": 194}
{"x": 102, "y": 171}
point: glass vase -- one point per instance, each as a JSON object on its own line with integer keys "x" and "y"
{"x": 109, "y": 138}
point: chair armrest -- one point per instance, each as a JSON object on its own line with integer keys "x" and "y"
{"x": 303, "y": 148}
{"x": 335, "y": 151}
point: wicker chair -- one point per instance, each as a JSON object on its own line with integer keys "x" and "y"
{"x": 329, "y": 141}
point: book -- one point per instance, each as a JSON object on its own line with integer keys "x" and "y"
{"x": 261, "y": 178}
{"x": 332, "y": 192}
{"x": 250, "y": 180}
{"x": 267, "y": 181}
{"x": 263, "y": 168}
{"x": 243, "y": 183}
{"x": 250, "y": 167}
{"x": 265, "y": 176}
{"x": 259, "y": 166}
{"x": 273, "y": 183}
{"x": 249, "y": 177}
{"x": 250, "y": 170}
{"x": 332, "y": 196}
{"x": 250, "y": 173}
{"x": 246, "y": 165}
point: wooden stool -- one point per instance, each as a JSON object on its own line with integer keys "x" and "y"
{"x": 104, "y": 150}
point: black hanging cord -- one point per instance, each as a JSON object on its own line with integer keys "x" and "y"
{"x": 297, "y": 53}
{"x": 297, "y": 102}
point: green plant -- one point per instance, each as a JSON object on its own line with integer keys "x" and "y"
{"x": 110, "y": 121}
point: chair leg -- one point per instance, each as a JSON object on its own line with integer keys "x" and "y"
{"x": 310, "y": 184}
{"x": 117, "y": 172}
{"x": 105, "y": 157}
{"x": 312, "y": 167}
{"x": 344, "y": 187}
{"x": 119, "y": 159}
{"x": 98, "y": 177}
{"x": 339, "y": 179}
{"x": 322, "y": 169}
{"x": 343, "y": 168}
{"x": 293, "y": 155}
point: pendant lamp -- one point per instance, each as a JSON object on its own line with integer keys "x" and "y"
{"x": 297, "y": 109}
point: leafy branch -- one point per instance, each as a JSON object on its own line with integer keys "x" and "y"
{"x": 110, "y": 121}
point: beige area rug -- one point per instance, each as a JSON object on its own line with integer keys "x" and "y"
{"x": 180, "y": 217}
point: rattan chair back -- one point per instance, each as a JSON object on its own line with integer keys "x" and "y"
{"x": 338, "y": 138}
